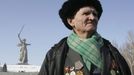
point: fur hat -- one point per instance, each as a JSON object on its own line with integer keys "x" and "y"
{"x": 70, "y": 8}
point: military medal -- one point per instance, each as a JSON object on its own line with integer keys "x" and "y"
{"x": 79, "y": 72}
{"x": 66, "y": 73}
{"x": 66, "y": 69}
{"x": 72, "y": 72}
{"x": 113, "y": 72}
{"x": 78, "y": 67}
{"x": 114, "y": 68}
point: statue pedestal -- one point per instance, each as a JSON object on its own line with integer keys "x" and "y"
{"x": 22, "y": 68}
{"x": 23, "y": 64}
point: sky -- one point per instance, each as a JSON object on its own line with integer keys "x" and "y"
{"x": 43, "y": 28}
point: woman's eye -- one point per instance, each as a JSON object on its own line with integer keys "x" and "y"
{"x": 94, "y": 13}
{"x": 87, "y": 13}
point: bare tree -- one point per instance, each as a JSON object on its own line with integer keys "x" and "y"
{"x": 128, "y": 50}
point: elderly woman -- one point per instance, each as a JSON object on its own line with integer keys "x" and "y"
{"x": 84, "y": 51}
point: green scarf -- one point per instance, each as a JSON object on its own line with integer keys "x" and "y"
{"x": 89, "y": 49}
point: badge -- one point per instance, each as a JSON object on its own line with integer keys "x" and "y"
{"x": 66, "y": 70}
{"x": 78, "y": 65}
{"x": 79, "y": 72}
{"x": 114, "y": 68}
{"x": 113, "y": 72}
{"x": 72, "y": 72}
{"x": 66, "y": 73}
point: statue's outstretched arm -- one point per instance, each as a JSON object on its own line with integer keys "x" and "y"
{"x": 19, "y": 37}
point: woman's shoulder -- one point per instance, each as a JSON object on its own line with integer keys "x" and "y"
{"x": 57, "y": 46}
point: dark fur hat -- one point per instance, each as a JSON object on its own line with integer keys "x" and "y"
{"x": 70, "y": 7}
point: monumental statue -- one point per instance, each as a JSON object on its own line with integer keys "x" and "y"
{"x": 23, "y": 59}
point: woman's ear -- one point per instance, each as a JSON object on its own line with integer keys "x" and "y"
{"x": 70, "y": 22}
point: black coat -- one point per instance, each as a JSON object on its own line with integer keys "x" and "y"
{"x": 55, "y": 59}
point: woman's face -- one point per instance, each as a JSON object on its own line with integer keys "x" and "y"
{"x": 85, "y": 20}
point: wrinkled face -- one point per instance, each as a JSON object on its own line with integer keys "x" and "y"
{"x": 85, "y": 20}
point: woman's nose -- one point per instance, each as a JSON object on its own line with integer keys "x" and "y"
{"x": 91, "y": 16}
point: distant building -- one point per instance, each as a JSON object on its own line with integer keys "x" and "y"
{"x": 18, "y": 73}
{"x": 1, "y": 68}
{"x": 4, "y": 68}
{"x": 21, "y": 68}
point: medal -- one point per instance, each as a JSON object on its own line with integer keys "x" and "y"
{"x": 66, "y": 73}
{"x": 113, "y": 72}
{"x": 66, "y": 70}
{"x": 79, "y": 72}
{"x": 114, "y": 68}
{"x": 78, "y": 65}
{"x": 72, "y": 72}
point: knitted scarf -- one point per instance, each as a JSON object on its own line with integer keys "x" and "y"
{"x": 89, "y": 49}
